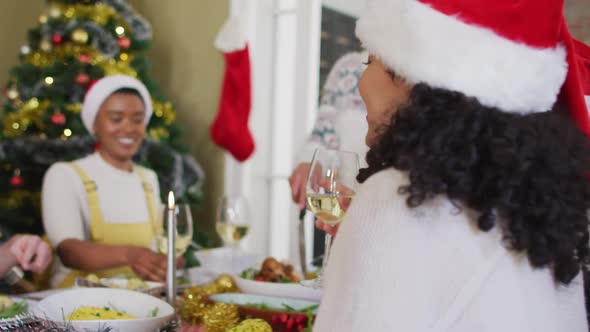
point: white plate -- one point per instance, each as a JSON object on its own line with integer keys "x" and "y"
{"x": 32, "y": 305}
{"x": 54, "y": 307}
{"x": 271, "y": 301}
{"x": 225, "y": 260}
{"x": 290, "y": 290}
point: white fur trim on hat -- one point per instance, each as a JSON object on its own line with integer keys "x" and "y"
{"x": 587, "y": 102}
{"x": 231, "y": 36}
{"x": 102, "y": 89}
{"x": 426, "y": 46}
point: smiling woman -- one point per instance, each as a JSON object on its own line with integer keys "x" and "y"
{"x": 101, "y": 212}
{"x": 120, "y": 128}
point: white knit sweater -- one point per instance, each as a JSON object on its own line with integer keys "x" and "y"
{"x": 430, "y": 269}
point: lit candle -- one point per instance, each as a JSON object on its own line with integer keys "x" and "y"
{"x": 171, "y": 253}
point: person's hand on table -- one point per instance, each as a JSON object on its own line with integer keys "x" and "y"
{"x": 148, "y": 264}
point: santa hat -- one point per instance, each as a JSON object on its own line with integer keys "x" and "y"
{"x": 511, "y": 55}
{"x": 583, "y": 61}
{"x": 103, "y": 88}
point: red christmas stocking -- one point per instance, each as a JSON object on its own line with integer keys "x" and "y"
{"x": 230, "y": 128}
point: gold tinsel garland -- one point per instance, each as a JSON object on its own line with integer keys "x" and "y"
{"x": 217, "y": 317}
{"x": 98, "y": 13}
{"x": 59, "y": 53}
{"x": 17, "y": 122}
{"x": 74, "y": 108}
{"x": 164, "y": 110}
{"x": 16, "y": 198}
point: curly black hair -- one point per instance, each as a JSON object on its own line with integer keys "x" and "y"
{"x": 528, "y": 174}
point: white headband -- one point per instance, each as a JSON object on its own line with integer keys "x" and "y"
{"x": 103, "y": 88}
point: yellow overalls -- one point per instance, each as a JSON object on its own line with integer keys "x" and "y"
{"x": 130, "y": 234}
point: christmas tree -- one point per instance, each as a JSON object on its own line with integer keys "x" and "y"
{"x": 76, "y": 43}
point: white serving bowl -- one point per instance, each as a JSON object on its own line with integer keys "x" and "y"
{"x": 57, "y": 306}
{"x": 290, "y": 290}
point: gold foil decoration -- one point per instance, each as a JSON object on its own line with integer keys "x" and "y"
{"x": 194, "y": 309}
{"x": 220, "y": 317}
{"x": 252, "y": 325}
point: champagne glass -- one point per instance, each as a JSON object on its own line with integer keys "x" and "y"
{"x": 184, "y": 230}
{"x": 232, "y": 220}
{"x": 331, "y": 184}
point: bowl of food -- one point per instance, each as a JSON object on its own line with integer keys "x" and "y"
{"x": 96, "y": 308}
{"x": 275, "y": 278}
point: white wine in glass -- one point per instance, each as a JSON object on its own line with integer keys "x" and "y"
{"x": 182, "y": 243}
{"x": 232, "y": 220}
{"x": 331, "y": 184}
{"x": 184, "y": 231}
{"x": 231, "y": 234}
{"x": 329, "y": 208}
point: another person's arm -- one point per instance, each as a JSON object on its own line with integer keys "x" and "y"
{"x": 323, "y": 135}
{"x": 27, "y": 251}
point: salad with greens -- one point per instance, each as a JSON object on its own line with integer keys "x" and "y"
{"x": 11, "y": 309}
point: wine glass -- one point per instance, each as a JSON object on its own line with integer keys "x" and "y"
{"x": 232, "y": 220}
{"x": 331, "y": 184}
{"x": 184, "y": 230}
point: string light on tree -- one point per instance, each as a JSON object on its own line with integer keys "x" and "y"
{"x": 120, "y": 30}
{"x": 67, "y": 132}
{"x": 45, "y": 45}
{"x": 12, "y": 93}
{"x": 42, "y": 19}
{"x": 79, "y": 36}
{"x": 48, "y": 80}
{"x": 25, "y": 50}
{"x": 54, "y": 12}
{"x": 124, "y": 56}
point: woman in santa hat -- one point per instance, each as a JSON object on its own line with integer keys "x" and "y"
{"x": 472, "y": 215}
{"x": 101, "y": 212}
